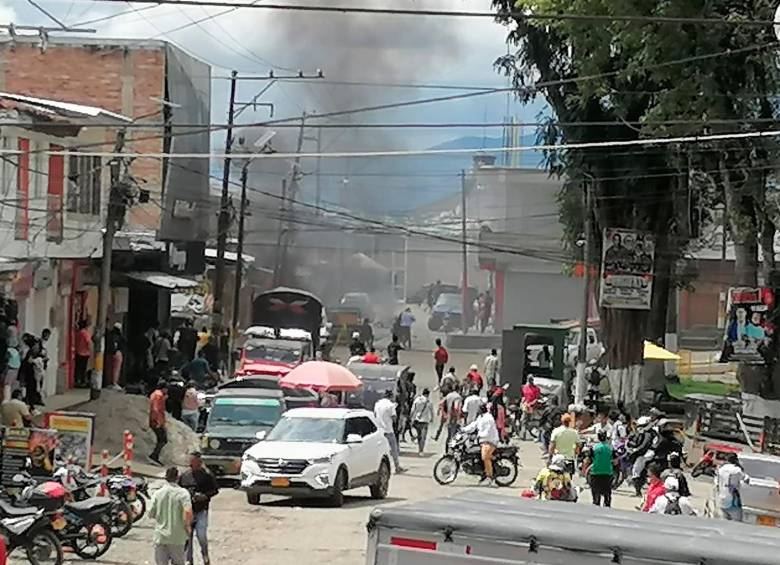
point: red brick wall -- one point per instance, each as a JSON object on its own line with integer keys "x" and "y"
{"x": 92, "y": 75}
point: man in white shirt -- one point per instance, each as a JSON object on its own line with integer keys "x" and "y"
{"x": 471, "y": 406}
{"x": 671, "y": 502}
{"x": 492, "y": 367}
{"x": 453, "y": 406}
{"x": 422, "y": 416}
{"x": 384, "y": 411}
{"x": 729, "y": 480}
{"x": 487, "y": 433}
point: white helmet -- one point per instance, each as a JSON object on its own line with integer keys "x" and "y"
{"x": 671, "y": 484}
{"x": 558, "y": 462}
{"x": 642, "y": 421}
{"x": 355, "y": 335}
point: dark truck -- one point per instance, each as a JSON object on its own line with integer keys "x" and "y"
{"x": 291, "y": 309}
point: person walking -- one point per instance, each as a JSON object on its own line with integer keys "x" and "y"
{"x": 487, "y": 435}
{"x": 190, "y": 406}
{"x": 655, "y": 487}
{"x": 440, "y": 358}
{"x": 162, "y": 352}
{"x": 202, "y": 486}
{"x": 422, "y": 416}
{"x": 384, "y": 411}
{"x": 453, "y": 404}
{"x": 601, "y": 471}
{"x": 366, "y": 333}
{"x": 157, "y": 419}
{"x": 392, "y": 350}
{"x": 83, "y": 354}
{"x": 115, "y": 351}
{"x": 13, "y": 362}
{"x": 188, "y": 341}
{"x": 171, "y": 511}
{"x": 729, "y": 480}
{"x": 472, "y": 405}
{"x": 492, "y": 367}
{"x": 406, "y": 321}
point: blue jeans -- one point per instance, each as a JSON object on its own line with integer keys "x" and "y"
{"x": 200, "y": 526}
{"x": 191, "y": 419}
{"x": 395, "y": 451}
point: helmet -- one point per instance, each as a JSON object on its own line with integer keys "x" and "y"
{"x": 473, "y": 368}
{"x": 643, "y": 421}
{"x": 671, "y": 484}
{"x": 558, "y": 462}
{"x": 355, "y": 335}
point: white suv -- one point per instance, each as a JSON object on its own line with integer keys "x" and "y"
{"x": 318, "y": 452}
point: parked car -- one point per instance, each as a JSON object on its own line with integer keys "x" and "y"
{"x": 236, "y": 418}
{"x": 376, "y": 380}
{"x": 361, "y": 301}
{"x": 448, "y": 305}
{"x": 318, "y": 452}
{"x": 300, "y": 398}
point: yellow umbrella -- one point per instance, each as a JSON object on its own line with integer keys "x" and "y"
{"x": 657, "y": 353}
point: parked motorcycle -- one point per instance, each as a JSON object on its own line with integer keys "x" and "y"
{"x": 30, "y": 529}
{"x": 464, "y": 452}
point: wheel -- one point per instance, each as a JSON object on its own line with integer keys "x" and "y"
{"x": 138, "y": 508}
{"x": 253, "y": 498}
{"x": 93, "y": 540}
{"x": 44, "y": 548}
{"x": 121, "y": 518}
{"x": 382, "y": 485}
{"x": 339, "y": 486}
{"x": 509, "y": 474}
{"x": 446, "y": 469}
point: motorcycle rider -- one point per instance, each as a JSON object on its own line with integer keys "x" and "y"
{"x": 565, "y": 440}
{"x": 642, "y": 446}
{"x": 549, "y": 420}
{"x": 619, "y": 430}
{"x": 356, "y": 347}
{"x": 672, "y": 501}
{"x": 554, "y": 483}
{"x": 487, "y": 434}
{"x": 655, "y": 487}
{"x": 675, "y": 470}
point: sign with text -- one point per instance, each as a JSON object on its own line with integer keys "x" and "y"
{"x": 27, "y": 449}
{"x": 627, "y": 269}
{"x": 748, "y": 332}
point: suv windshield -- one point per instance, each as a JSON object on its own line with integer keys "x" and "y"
{"x": 449, "y": 300}
{"x": 264, "y": 412}
{"x": 315, "y": 430}
{"x": 283, "y": 352}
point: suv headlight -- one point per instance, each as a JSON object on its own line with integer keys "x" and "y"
{"x": 320, "y": 460}
{"x": 204, "y": 442}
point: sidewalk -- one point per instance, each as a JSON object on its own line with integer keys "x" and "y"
{"x": 66, "y": 400}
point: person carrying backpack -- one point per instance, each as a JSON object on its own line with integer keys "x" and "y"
{"x": 671, "y": 502}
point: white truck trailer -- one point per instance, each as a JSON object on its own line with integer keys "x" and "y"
{"x": 478, "y": 528}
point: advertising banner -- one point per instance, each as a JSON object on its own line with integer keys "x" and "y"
{"x": 75, "y": 433}
{"x": 748, "y": 332}
{"x": 627, "y": 269}
{"x": 27, "y": 449}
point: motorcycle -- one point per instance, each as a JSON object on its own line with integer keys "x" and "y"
{"x": 464, "y": 452}
{"x": 525, "y": 422}
{"x": 29, "y": 529}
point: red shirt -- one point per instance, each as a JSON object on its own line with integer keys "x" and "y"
{"x": 655, "y": 489}
{"x": 157, "y": 409}
{"x": 371, "y": 358}
{"x": 83, "y": 343}
{"x": 441, "y": 356}
{"x": 531, "y": 393}
{"x": 475, "y": 378}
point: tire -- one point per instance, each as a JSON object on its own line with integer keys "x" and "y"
{"x": 91, "y": 542}
{"x": 138, "y": 508}
{"x": 441, "y": 467}
{"x": 509, "y": 479}
{"x": 382, "y": 485}
{"x": 121, "y": 518}
{"x": 253, "y": 498}
{"x": 43, "y": 548}
{"x": 339, "y": 486}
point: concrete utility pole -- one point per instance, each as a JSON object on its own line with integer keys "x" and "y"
{"x": 582, "y": 355}
{"x": 240, "y": 250}
{"x": 280, "y": 235}
{"x": 114, "y": 213}
{"x": 318, "y": 172}
{"x": 223, "y": 225}
{"x": 465, "y": 277}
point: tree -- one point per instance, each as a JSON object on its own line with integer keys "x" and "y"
{"x": 634, "y": 77}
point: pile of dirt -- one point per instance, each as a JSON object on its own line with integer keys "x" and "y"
{"x": 116, "y": 412}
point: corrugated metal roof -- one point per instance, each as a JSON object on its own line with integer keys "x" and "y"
{"x": 62, "y": 110}
{"x": 162, "y": 280}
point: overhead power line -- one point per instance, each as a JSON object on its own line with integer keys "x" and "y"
{"x": 596, "y": 18}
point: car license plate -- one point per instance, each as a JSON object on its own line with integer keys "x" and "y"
{"x": 280, "y": 482}
{"x": 766, "y": 521}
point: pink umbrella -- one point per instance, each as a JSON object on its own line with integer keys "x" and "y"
{"x": 321, "y": 375}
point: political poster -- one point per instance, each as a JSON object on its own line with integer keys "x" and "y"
{"x": 27, "y": 449}
{"x": 627, "y": 269}
{"x": 748, "y": 330}
{"x": 75, "y": 433}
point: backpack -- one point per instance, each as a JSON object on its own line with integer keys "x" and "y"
{"x": 673, "y": 506}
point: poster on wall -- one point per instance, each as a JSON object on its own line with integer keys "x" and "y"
{"x": 27, "y": 449}
{"x": 627, "y": 269}
{"x": 748, "y": 330}
{"x": 75, "y": 434}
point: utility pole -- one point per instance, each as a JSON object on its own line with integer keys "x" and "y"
{"x": 465, "y": 277}
{"x": 114, "y": 212}
{"x": 280, "y": 235}
{"x": 318, "y": 172}
{"x": 223, "y": 225}
{"x": 240, "y": 250}
{"x": 289, "y": 193}
{"x": 582, "y": 355}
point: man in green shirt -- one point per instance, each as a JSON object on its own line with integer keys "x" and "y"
{"x": 601, "y": 471}
{"x": 172, "y": 512}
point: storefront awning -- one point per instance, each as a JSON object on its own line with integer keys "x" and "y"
{"x": 162, "y": 280}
